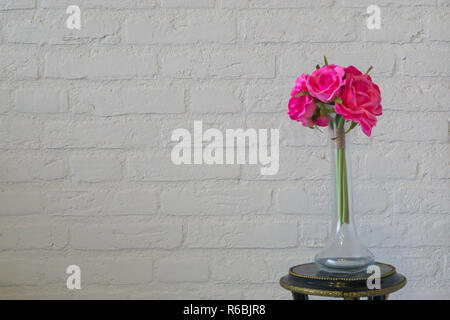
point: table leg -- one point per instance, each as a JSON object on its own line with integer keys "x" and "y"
{"x": 382, "y": 297}
{"x": 299, "y": 296}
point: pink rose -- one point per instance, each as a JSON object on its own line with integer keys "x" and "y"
{"x": 300, "y": 85}
{"x": 361, "y": 100}
{"x": 352, "y": 70}
{"x": 325, "y": 83}
{"x": 302, "y": 109}
{"x": 322, "y": 121}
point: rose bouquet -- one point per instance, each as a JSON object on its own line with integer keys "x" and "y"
{"x": 342, "y": 99}
{"x": 345, "y": 94}
{"x": 336, "y": 96}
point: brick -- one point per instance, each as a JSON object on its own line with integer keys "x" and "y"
{"x": 418, "y": 267}
{"x": 40, "y": 100}
{"x": 363, "y": 56}
{"x": 20, "y": 134}
{"x": 435, "y": 162}
{"x": 32, "y": 237}
{"x": 50, "y": 28}
{"x": 278, "y": 26}
{"x": 18, "y": 65}
{"x": 291, "y": 133}
{"x": 413, "y": 94}
{"x": 182, "y": 28}
{"x": 242, "y": 235}
{"x": 17, "y": 4}
{"x": 100, "y": 134}
{"x": 436, "y": 24}
{"x": 282, "y": 4}
{"x": 233, "y": 4}
{"x": 424, "y": 198}
{"x": 6, "y": 100}
{"x": 401, "y": 126}
{"x": 96, "y": 65}
{"x": 294, "y": 164}
{"x": 94, "y": 291}
{"x": 217, "y": 100}
{"x": 122, "y": 271}
{"x": 187, "y": 4}
{"x": 126, "y": 236}
{"x": 412, "y": 61}
{"x": 132, "y": 201}
{"x": 95, "y": 168}
{"x": 295, "y": 62}
{"x": 294, "y": 134}
{"x": 292, "y": 200}
{"x": 314, "y": 232}
{"x": 379, "y": 164}
{"x": 267, "y": 98}
{"x": 371, "y": 200}
{"x": 20, "y": 203}
{"x": 73, "y": 202}
{"x": 20, "y": 272}
{"x": 232, "y": 268}
{"x": 115, "y": 270}
{"x": 104, "y": 4}
{"x": 308, "y": 199}
{"x": 225, "y": 64}
{"x": 25, "y": 237}
{"x": 236, "y": 270}
{"x": 405, "y": 231}
{"x": 31, "y": 168}
{"x": 397, "y": 26}
{"x": 122, "y": 201}
{"x": 400, "y": 3}
{"x": 178, "y": 270}
{"x": 447, "y": 267}
{"x": 158, "y": 167}
{"x": 229, "y": 201}
{"x": 115, "y": 101}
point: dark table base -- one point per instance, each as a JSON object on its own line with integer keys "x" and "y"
{"x": 304, "y": 280}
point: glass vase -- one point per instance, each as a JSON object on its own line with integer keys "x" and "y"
{"x": 344, "y": 252}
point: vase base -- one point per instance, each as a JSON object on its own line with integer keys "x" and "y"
{"x": 344, "y": 265}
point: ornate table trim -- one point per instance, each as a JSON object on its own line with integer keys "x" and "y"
{"x": 314, "y": 282}
{"x": 343, "y": 294}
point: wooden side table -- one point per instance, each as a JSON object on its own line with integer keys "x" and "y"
{"x": 307, "y": 279}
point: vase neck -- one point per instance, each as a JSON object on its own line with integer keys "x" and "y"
{"x": 339, "y": 140}
{"x": 339, "y": 134}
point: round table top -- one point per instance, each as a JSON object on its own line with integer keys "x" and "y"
{"x": 308, "y": 279}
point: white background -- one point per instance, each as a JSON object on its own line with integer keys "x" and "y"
{"x": 85, "y": 124}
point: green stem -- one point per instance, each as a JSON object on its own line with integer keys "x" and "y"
{"x": 338, "y": 186}
{"x": 345, "y": 217}
{"x": 341, "y": 180}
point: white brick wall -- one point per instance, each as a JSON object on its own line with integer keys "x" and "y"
{"x": 86, "y": 118}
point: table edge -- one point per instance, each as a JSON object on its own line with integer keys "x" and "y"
{"x": 343, "y": 294}
{"x": 340, "y": 278}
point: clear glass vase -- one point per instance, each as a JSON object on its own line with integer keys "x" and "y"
{"x": 344, "y": 252}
